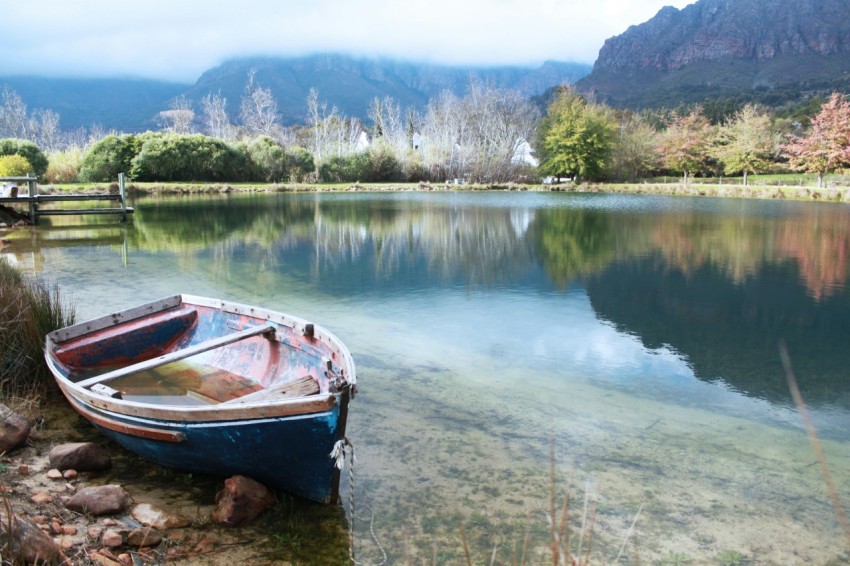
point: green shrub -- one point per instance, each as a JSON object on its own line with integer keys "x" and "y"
{"x": 174, "y": 157}
{"x": 267, "y": 160}
{"x": 109, "y": 157}
{"x": 29, "y": 310}
{"x": 299, "y": 164}
{"x": 14, "y": 166}
{"x": 28, "y": 151}
{"x": 345, "y": 169}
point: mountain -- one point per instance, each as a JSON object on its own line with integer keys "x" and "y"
{"x": 348, "y": 83}
{"x": 716, "y": 48}
{"x": 351, "y": 84}
{"x": 128, "y": 105}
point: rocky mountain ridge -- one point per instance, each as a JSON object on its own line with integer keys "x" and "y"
{"x": 713, "y": 46}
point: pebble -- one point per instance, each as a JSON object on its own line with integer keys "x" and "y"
{"x": 54, "y": 474}
{"x": 112, "y": 538}
{"x": 41, "y": 497}
{"x": 70, "y": 474}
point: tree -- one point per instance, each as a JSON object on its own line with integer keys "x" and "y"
{"x": 748, "y": 142}
{"x": 827, "y": 145}
{"x": 14, "y": 166}
{"x": 634, "y": 147}
{"x": 575, "y": 138}
{"x": 216, "y": 121}
{"x": 259, "y": 109}
{"x": 685, "y": 144}
{"x": 109, "y": 157}
{"x": 179, "y": 117}
{"x": 29, "y": 151}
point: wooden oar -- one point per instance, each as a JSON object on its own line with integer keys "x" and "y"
{"x": 178, "y": 355}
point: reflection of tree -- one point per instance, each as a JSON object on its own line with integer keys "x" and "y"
{"x": 730, "y": 330}
{"x": 572, "y": 243}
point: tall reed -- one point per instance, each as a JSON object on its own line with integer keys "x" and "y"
{"x": 30, "y": 307}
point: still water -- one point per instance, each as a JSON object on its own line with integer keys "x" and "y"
{"x": 630, "y": 344}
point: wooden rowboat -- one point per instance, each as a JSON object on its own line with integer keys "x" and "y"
{"x": 213, "y": 387}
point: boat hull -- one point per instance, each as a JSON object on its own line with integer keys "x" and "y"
{"x": 253, "y": 427}
{"x": 290, "y": 453}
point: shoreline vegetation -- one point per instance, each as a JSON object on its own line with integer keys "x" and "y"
{"x": 796, "y": 187}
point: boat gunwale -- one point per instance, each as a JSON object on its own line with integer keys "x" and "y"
{"x": 267, "y": 407}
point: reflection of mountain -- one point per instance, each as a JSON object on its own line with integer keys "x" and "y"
{"x": 730, "y": 331}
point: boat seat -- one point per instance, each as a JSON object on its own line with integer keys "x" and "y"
{"x": 300, "y": 387}
{"x": 127, "y": 342}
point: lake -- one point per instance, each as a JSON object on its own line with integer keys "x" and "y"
{"x": 624, "y": 350}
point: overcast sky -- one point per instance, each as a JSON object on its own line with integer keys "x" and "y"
{"x": 177, "y": 40}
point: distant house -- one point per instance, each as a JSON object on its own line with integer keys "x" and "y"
{"x": 362, "y": 142}
{"x": 524, "y": 155}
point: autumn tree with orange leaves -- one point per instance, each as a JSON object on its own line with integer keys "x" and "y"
{"x": 826, "y": 147}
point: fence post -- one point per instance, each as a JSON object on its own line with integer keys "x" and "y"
{"x": 31, "y": 192}
{"x": 123, "y": 192}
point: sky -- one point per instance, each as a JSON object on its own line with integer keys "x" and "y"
{"x": 177, "y": 40}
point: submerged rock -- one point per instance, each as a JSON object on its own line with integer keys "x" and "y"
{"x": 241, "y": 500}
{"x": 153, "y": 516}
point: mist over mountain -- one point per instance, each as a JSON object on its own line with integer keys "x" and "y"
{"x": 350, "y": 84}
{"x": 713, "y": 48}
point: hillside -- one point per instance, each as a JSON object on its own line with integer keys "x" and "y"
{"x": 768, "y": 50}
{"x": 114, "y": 104}
{"x": 350, "y": 84}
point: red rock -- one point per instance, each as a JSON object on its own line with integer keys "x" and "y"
{"x": 70, "y": 530}
{"x": 14, "y": 429}
{"x": 54, "y": 474}
{"x": 80, "y": 456}
{"x": 70, "y": 474}
{"x": 112, "y": 538}
{"x": 144, "y": 537}
{"x": 93, "y": 533}
{"x": 241, "y": 500}
{"x": 24, "y": 470}
{"x": 100, "y": 500}
{"x": 41, "y": 497}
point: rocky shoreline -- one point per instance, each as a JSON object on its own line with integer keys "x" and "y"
{"x": 60, "y": 507}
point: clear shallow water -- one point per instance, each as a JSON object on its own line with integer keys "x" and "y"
{"x": 638, "y": 335}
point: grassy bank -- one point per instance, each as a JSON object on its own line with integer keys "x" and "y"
{"x": 789, "y": 186}
{"x": 29, "y": 309}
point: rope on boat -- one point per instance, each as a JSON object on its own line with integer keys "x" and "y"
{"x": 340, "y": 450}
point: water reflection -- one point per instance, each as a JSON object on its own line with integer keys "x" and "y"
{"x": 718, "y": 282}
{"x": 639, "y": 331}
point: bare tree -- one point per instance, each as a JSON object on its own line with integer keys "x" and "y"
{"x": 44, "y": 128}
{"x": 259, "y": 109}
{"x": 332, "y": 133}
{"x": 179, "y": 117}
{"x": 13, "y": 115}
{"x": 216, "y": 121}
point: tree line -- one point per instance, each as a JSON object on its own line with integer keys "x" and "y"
{"x": 489, "y": 135}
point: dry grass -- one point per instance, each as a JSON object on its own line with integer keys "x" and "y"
{"x": 29, "y": 309}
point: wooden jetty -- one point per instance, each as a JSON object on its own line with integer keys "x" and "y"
{"x": 33, "y": 200}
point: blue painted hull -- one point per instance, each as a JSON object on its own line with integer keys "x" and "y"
{"x": 291, "y": 454}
